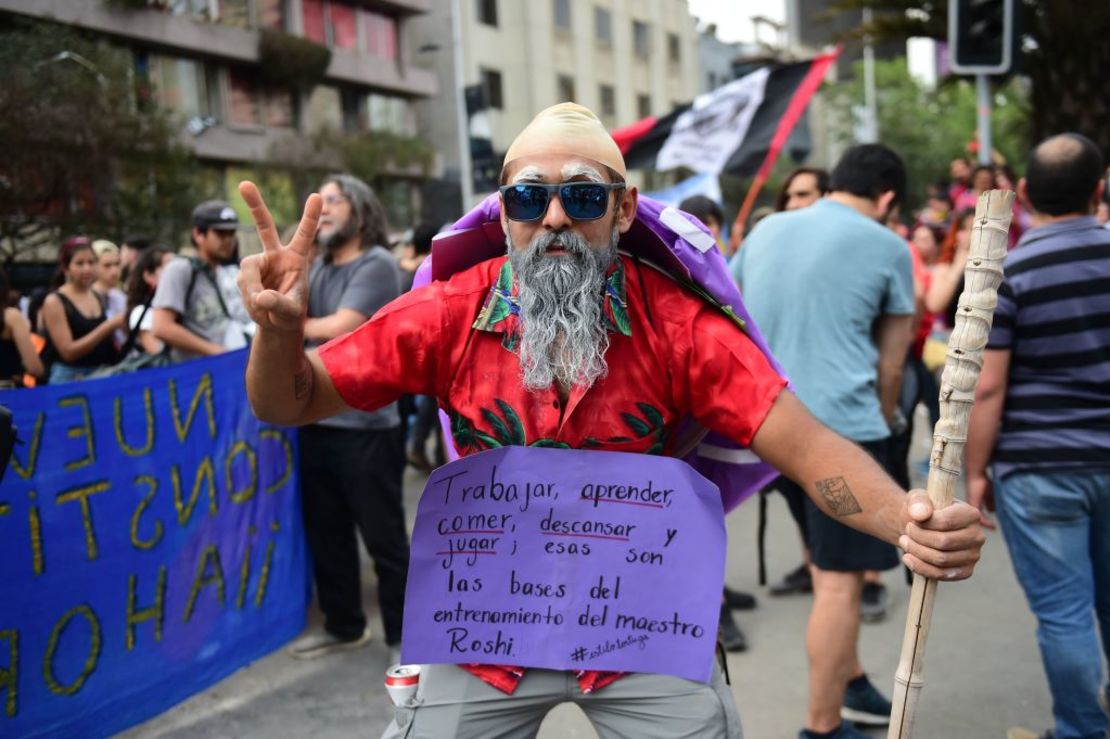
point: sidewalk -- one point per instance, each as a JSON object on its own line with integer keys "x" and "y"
{"x": 982, "y": 675}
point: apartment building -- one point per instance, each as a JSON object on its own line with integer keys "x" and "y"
{"x": 624, "y": 59}
{"x": 203, "y": 60}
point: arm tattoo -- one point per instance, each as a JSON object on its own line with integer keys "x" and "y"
{"x": 302, "y": 382}
{"x": 838, "y": 496}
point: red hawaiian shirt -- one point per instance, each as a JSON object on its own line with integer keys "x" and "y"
{"x": 671, "y": 354}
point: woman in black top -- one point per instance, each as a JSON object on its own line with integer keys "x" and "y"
{"x": 79, "y": 332}
{"x": 17, "y": 354}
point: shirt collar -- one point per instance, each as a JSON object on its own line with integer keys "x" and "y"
{"x": 1078, "y": 223}
{"x": 500, "y": 312}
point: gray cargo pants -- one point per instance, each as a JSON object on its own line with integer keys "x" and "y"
{"x": 452, "y": 703}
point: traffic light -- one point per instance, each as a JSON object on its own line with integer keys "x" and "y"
{"x": 981, "y": 36}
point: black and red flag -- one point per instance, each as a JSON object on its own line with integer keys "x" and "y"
{"x": 737, "y": 128}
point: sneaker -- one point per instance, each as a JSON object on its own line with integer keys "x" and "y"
{"x": 739, "y": 601}
{"x": 847, "y": 730}
{"x": 1019, "y": 732}
{"x": 319, "y": 642}
{"x": 796, "y": 581}
{"x": 732, "y": 638}
{"x": 875, "y": 600}
{"x": 865, "y": 705}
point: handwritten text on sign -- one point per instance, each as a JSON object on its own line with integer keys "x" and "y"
{"x": 567, "y": 559}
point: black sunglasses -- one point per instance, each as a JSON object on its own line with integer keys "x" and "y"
{"x": 582, "y": 201}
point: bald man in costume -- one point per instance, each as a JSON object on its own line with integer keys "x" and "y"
{"x": 570, "y": 334}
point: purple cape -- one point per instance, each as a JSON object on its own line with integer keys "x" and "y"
{"x": 678, "y": 243}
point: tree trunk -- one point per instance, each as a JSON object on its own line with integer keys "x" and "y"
{"x": 1068, "y": 69}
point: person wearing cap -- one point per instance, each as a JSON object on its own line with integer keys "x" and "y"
{"x": 197, "y": 311}
{"x": 569, "y": 335}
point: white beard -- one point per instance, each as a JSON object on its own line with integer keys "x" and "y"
{"x": 562, "y": 337}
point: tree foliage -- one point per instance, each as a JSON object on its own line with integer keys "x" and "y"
{"x": 929, "y": 128}
{"x": 81, "y": 148}
{"x": 1064, "y": 53}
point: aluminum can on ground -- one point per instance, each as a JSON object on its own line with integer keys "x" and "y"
{"x": 401, "y": 681}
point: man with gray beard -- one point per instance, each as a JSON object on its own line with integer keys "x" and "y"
{"x": 351, "y": 464}
{"x": 566, "y": 343}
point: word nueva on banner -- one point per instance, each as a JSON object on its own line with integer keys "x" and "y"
{"x": 566, "y": 558}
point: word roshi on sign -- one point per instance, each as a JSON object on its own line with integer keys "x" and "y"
{"x": 567, "y": 559}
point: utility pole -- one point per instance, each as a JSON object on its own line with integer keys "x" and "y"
{"x": 466, "y": 174}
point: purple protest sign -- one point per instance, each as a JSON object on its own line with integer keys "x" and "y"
{"x": 567, "y": 559}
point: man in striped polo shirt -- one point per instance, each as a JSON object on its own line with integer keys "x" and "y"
{"x": 1040, "y": 420}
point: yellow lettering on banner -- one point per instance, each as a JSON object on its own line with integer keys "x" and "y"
{"x": 5, "y": 509}
{"x": 9, "y": 676}
{"x": 148, "y": 410}
{"x": 155, "y": 613}
{"x": 264, "y": 576}
{"x": 287, "y": 448}
{"x": 245, "y": 571}
{"x": 32, "y": 454}
{"x": 150, "y": 543}
{"x": 90, "y": 663}
{"x": 203, "y": 579}
{"x": 34, "y": 524}
{"x": 204, "y": 390}
{"x": 82, "y": 494}
{"x": 76, "y": 432}
{"x": 242, "y": 496}
{"x": 185, "y": 508}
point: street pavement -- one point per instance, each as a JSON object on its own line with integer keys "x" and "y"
{"x": 982, "y": 670}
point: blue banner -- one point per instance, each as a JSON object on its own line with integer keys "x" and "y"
{"x": 150, "y": 544}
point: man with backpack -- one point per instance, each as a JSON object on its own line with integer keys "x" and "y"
{"x": 197, "y": 308}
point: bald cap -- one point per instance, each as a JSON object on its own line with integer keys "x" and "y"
{"x": 567, "y": 129}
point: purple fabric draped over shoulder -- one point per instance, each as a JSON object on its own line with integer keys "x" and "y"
{"x": 679, "y": 244}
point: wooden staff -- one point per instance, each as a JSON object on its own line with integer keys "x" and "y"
{"x": 982, "y": 276}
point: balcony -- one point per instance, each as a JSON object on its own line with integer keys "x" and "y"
{"x": 164, "y": 31}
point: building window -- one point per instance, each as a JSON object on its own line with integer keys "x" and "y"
{"x": 674, "y": 48}
{"x": 603, "y": 25}
{"x": 562, "y": 14}
{"x": 608, "y": 101}
{"x": 233, "y": 13}
{"x": 643, "y": 106}
{"x": 324, "y": 111}
{"x": 271, "y": 13}
{"x": 390, "y": 114}
{"x": 330, "y": 23}
{"x": 312, "y": 20}
{"x": 641, "y": 39}
{"x": 491, "y": 89}
{"x": 381, "y": 35}
{"x": 189, "y": 87}
{"x": 487, "y": 12}
{"x": 352, "y": 111}
{"x": 566, "y": 88}
{"x": 250, "y": 104}
{"x": 344, "y": 29}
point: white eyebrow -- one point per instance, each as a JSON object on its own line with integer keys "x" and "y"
{"x": 530, "y": 173}
{"x": 581, "y": 170}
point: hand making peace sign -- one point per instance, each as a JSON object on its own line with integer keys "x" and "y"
{"x": 274, "y": 283}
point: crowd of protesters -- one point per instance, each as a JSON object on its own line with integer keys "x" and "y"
{"x": 114, "y": 309}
